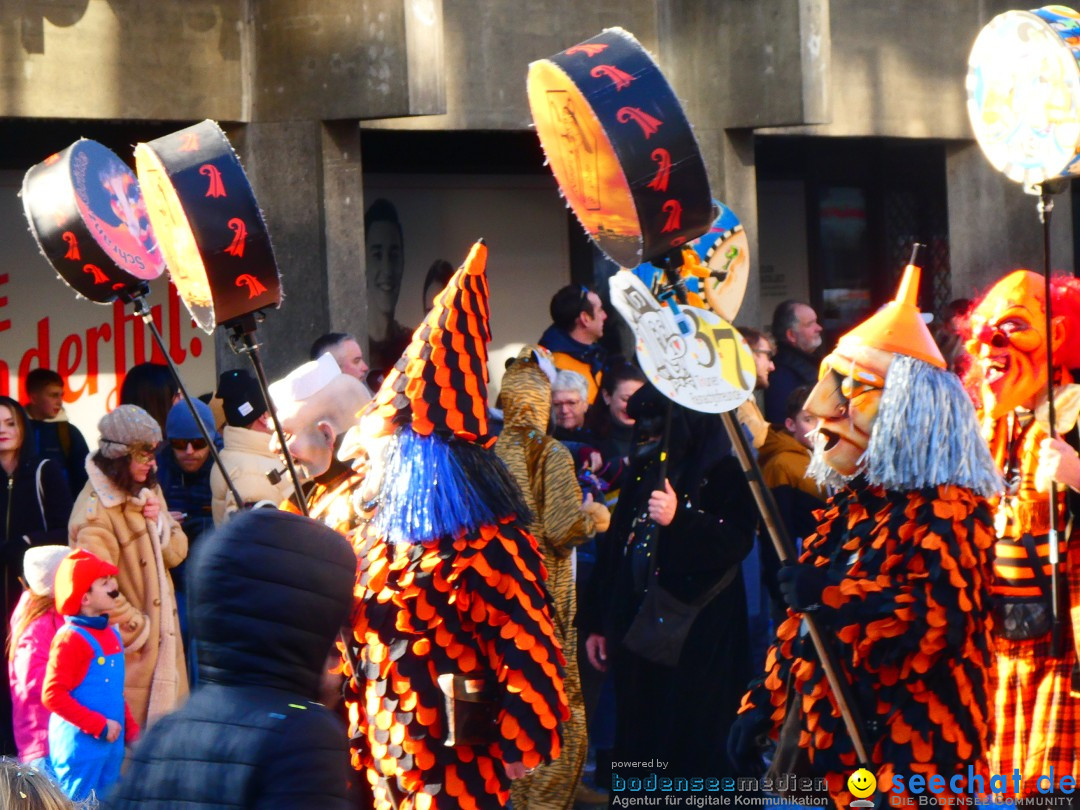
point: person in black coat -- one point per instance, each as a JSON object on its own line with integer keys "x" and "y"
{"x": 701, "y": 528}
{"x": 35, "y": 504}
{"x": 268, "y": 592}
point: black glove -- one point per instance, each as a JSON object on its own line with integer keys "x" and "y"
{"x": 744, "y": 742}
{"x": 801, "y": 586}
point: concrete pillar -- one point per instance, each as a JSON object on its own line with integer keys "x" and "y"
{"x": 343, "y": 207}
{"x": 283, "y": 162}
{"x": 994, "y": 226}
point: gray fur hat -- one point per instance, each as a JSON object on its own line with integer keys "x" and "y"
{"x": 127, "y": 428}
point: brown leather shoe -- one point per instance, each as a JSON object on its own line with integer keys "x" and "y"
{"x": 588, "y": 795}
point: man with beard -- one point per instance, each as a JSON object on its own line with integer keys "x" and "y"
{"x": 1037, "y": 728}
{"x": 797, "y": 333}
{"x": 897, "y": 573}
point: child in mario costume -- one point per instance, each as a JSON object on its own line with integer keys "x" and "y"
{"x": 461, "y": 678}
{"x": 84, "y": 682}
{"x": 897, "y": 573}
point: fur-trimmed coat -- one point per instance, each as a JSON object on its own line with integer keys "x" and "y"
{"x": 110, "y": 524}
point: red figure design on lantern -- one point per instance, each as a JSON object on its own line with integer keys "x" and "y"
{"x": 648, "y": 124}
{"x": 73, "y": 246}
{"x": 591, "y": 49}
{"x": 620, "y": 77}
{"x": 663, "y": 171}
{"x": 678, "y": 241}
{"x": 118, "y": 286}
{"x": 674, "y": 218}
{"x": 255, "y": 287}
{"x": 99, "y": 276}
{"x": 190, "y": 142}
{"x": 240, "y": 229}
{"x": 216, "y": 188}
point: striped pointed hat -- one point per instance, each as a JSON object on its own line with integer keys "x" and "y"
{"x": 440, "y": 382}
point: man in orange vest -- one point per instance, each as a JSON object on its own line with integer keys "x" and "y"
{"x": 577, "y": 316}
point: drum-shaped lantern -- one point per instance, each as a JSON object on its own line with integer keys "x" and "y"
{"x": 620, "y": 147}
{"x": 90, "y": 220}
{"x": 209, "y": 225}
{"x": 1023, "y": 93}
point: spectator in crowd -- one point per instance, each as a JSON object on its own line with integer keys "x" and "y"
{"x": 54, "y": 437}
{"x": 798, "y": 335}
{"x": 246, "y": 455}
{"x": 569, "y": 403}
{"x": 84, "y": 681}
{"x": 437, "y": 275}
{"x": 121, "y": 517}
{"x": 152, "y": 387}
{"x": 252, "y": 735}
{"x": 35, "y": 504}
{"x": 385, "y": 265}
{"x": 345, "y": 349}
{"x": 784, "y": 458}
{"x": 612, "y": 424}
{"x": 33, "y": 625}
{"x": 577, "y": 324}
{"x": 687, "y": 533}
{"x": 26, "y": 788}
{"x": 545, "y": 472}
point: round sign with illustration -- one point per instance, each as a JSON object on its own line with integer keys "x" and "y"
{"x": 620, "y": 147}
{"x": 90, "y": 220}
{"x": 693, "y": 356}
{"x": 209, "y": 225}
{"x": 1023, "y": 91}
{"x": 715, "y": 267}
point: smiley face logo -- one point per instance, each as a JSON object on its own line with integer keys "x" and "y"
{"x": 862, "y": 783}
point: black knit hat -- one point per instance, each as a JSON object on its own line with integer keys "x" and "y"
{"x": 241, "y": 398}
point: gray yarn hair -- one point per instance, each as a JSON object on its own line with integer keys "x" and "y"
{"x": 926, "y": 434}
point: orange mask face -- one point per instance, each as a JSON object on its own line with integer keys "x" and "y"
{"x": 1008, "y": 343}
{"x": 846, "y": 400}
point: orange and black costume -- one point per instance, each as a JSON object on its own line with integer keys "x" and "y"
{"x": 907, "y": 625}
{"x": 450, "y": 582}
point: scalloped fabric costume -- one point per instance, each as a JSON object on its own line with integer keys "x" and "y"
{"x": 450, "y": 581}
{"x": 902, "y": 559}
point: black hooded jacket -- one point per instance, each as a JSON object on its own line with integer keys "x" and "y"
{"x": 268, "y": 592}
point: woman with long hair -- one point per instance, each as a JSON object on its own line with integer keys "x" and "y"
{"x": 34, "y": 508}
{"x": 33, "y": 625}
{"x": 121, "y": 516}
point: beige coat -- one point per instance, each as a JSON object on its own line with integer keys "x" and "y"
{"x": 248, "y": 459}
{"x": 109, "y": 523}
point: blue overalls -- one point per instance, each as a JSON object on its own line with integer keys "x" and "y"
{"x": 83, "y": 763}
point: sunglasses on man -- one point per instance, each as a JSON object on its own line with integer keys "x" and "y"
{"x": 181, "y": 444}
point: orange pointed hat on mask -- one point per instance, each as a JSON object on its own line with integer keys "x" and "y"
{"x": 440, "y": 382}
{"x": 897, "y": 327}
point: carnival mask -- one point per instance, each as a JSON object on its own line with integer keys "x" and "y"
{"x": 1008, "y": 343}
{"x": 845, "y": 402}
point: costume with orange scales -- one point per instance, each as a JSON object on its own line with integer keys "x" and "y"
{"x": 1037, "y": 726}
{"x": 450, "y": 581}
{"x": 897, "y": 573}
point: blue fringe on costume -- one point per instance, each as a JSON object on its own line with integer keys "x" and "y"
{"x": 437, "y": 486}
{"x": 926, "y": 434}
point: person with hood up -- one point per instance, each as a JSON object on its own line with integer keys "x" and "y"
{"x": 269, "y": 592}
{"x": 545, "y": 472}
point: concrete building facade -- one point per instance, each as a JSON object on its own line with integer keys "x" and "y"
{"x": 835, "y": 129}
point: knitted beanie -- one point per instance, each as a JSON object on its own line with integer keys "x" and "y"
{"x": 180, "y": 424}
{"x": 39, "y": 567}
{"x": 126, "y": 428}
{"x": 241, "y": 397}
{"x": 74, "y": 576}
